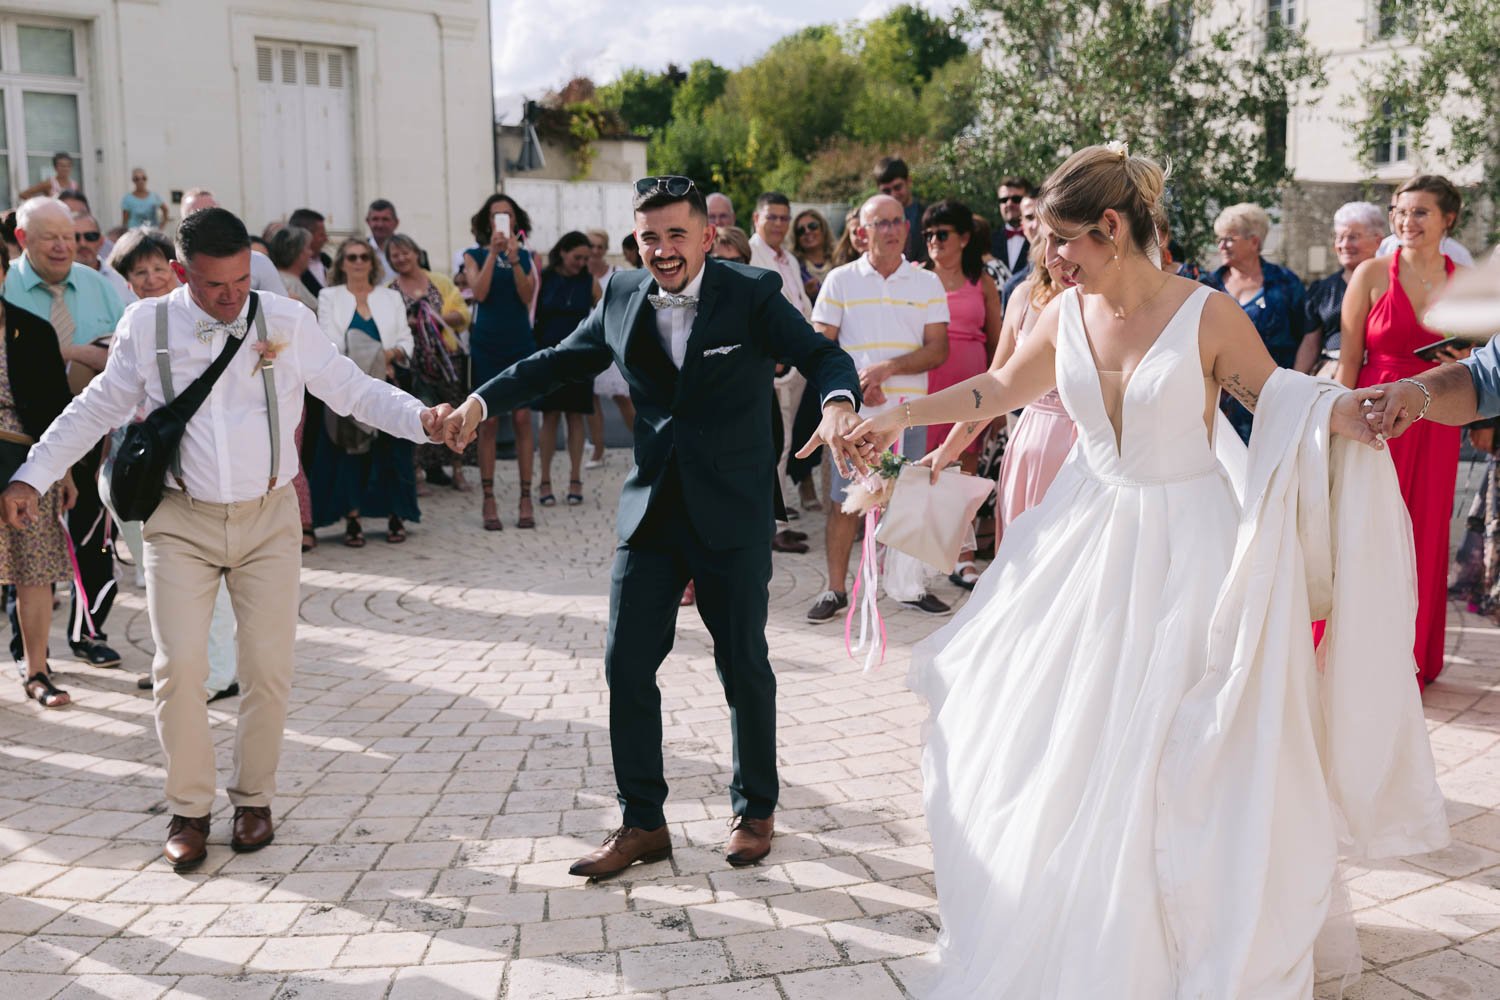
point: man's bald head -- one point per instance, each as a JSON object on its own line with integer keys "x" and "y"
{"x": 196, "y": 200}
{"x": 720, "y": 210}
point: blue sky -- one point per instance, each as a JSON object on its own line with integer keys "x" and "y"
{"x": 540, "y": 44}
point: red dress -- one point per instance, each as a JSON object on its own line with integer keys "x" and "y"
{"x": 1426, "y": 460}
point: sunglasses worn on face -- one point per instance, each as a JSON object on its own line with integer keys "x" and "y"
{"x": 672, "y": 184}
{"x": 809, "y": 227}
{"x": 91, "y": 236}
{"x": 354, "y": 257}
{"x": 1012, "y": 199}
{"x": 937, "y": 235}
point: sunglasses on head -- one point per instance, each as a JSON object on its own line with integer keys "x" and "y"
{"x": 940, "y": 235}
{"x": 1012, "y": 199}
{"x": 809, "y": 227}
{"x": 89, "y": 237}
{"x": 673, "y": 184}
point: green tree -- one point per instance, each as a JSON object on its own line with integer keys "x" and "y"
{"x": 1208, "y": 97}
{"x": 704, "y": 84}
{"x": 643, "y": 99}
{"x": 1453, "y": 76}
{"x": 907, "y": 46}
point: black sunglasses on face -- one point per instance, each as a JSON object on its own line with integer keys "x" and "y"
{"x": 91, "y": 236}
{"x": 673, "y": 184}
{"x": 357, "y": 257}
{"x": 809, "y": 227}
{"x": 1012, "y": 199}
{"x": 940, "y": 235}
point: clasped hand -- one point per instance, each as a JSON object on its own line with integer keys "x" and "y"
{"x": 835, "y": 431}
{"x": 21, "y": 504}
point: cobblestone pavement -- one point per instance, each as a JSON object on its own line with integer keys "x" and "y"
{"x": 447, "y": 756}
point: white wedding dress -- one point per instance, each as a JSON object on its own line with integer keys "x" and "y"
{"x": 1054, "y": 694}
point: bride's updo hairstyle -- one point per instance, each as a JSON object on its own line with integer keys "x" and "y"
{"x": 1097, "y": 178}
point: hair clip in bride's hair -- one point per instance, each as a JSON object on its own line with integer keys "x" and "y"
{"x": 1119, "y": 148}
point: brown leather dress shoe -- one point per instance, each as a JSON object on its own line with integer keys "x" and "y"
{"x": 749, "y": 839}
{"x": 623, "y": 848}
{"x": 252, "y": 828}
{"x": 780, "y": 542}
{"x": 187, "y": 842}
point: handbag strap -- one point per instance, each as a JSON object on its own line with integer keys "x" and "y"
{"x": 273, "y": 416}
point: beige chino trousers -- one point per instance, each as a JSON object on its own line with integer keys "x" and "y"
{"x": 254, "y": 548}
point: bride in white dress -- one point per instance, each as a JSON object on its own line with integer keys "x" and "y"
{"x": 1086, "y": 841}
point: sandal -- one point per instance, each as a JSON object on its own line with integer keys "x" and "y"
{"x": 525, "y": 518}
{"x": 544, "y": 493}
{"x": 395, "y": 531}
{"x": 309, "y": 540}
{"x": 575, "y": 497}
{"x": 354, "y": 536}
{"x": 487, "y": 509}
{"x": 964, "y": 575}
{"x": 40, "y": 689}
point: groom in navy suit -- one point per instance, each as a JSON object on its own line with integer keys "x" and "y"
{"x": 698, "y": 340}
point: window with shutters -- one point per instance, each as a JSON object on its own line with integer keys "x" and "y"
{"x": 43, "y": 101}
{"x": 306, "y": 141}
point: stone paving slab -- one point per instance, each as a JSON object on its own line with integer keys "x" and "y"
{"x": 447, "y": 756}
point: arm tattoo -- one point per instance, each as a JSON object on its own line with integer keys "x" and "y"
{"x": 978, "y": 398}
{"x": 971, "y": 426}
{"x": 1242, "y": 392}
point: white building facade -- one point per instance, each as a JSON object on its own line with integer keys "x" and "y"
{"x": 271, "y": 104}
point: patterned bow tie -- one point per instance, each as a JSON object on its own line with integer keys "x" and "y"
{"x": 669, "y": 301}
{"x": 207, "y": 327}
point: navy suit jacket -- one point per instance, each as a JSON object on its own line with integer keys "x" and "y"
{"x": 712, "y": 418}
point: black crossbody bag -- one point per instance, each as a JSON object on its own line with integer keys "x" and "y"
{"x": 149, "y": 449}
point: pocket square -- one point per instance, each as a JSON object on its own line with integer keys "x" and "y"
{"x": 721, "y": 350}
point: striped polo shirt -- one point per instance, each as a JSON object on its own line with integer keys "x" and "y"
{"x": 882, "y": 318}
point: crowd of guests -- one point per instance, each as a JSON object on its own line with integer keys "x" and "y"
{"x": 921, "y": 296}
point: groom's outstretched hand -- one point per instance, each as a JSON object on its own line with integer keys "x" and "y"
{"x": 462, "y": 424}
{"x": 839, "y": 420}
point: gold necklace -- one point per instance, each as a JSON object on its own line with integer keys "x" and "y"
{"x": 1166, "y": 279}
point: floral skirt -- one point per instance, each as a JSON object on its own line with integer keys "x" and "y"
{"x": 38, "y": 554}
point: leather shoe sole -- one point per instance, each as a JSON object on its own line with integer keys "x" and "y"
{"x": 191, "y": 862}
{"x": 248, "y": 847}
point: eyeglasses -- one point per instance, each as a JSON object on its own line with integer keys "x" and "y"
{"x": 348, "y": 257}
{"x": 1011, "y": 199}
{"x": 809, "y": 227}
{"x": 92, "y": 236}
{"x": 884, "y": 225}
{"x": 937, "y": 235}
{"x": 1225, "y": 241}
{"x": 673, "y": 184}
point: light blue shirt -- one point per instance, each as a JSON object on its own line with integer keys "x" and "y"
{"x": 143, "y": 211}
{"x": 93, "y": 304}
{"x": 1484, "y": 369}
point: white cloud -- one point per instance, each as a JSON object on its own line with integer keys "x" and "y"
{"x": 539, "y": 45}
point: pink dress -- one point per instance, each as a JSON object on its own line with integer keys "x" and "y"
{"x": 967, "y": 355}
{"x": 1039, "y": 441}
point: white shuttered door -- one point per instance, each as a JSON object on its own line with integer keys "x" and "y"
{"x": 306, "y": 131}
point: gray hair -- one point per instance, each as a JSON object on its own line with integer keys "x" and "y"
{"x": 80, "y": 216}
{"x": 41, "y": 205}
{"x": 1246, "y": 218}
{"x": 720, "y": 194}
{"x": 1361, "y": 213}
{"x": 285, "y": 244}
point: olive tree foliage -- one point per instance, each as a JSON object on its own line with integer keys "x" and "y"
{"x": 1175, "y": 79}
{"x": 1449, "y": 73}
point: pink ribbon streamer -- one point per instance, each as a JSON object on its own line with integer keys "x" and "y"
{"x": 862, "y": 601}
{"x": 84, "y": 614}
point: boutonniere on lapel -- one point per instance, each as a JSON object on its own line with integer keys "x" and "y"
{"x": 266, "y": 351}
{"x": 710, "y": 352}
{"x": 1260, "y": 303}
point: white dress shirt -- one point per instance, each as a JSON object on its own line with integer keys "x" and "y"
{"x": 226, "y": 452}
{"x": 785, "y": 264}
{"x": 117, "y": 282}
{"x": 674, "y": 325}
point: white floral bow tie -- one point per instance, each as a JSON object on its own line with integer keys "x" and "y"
{"x": 207, "y": 327}
{"x": 669, "y": 301}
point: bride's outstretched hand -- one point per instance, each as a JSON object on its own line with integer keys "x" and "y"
{"x": 877, "y": 434}
{"x": 1349, "y": 417}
